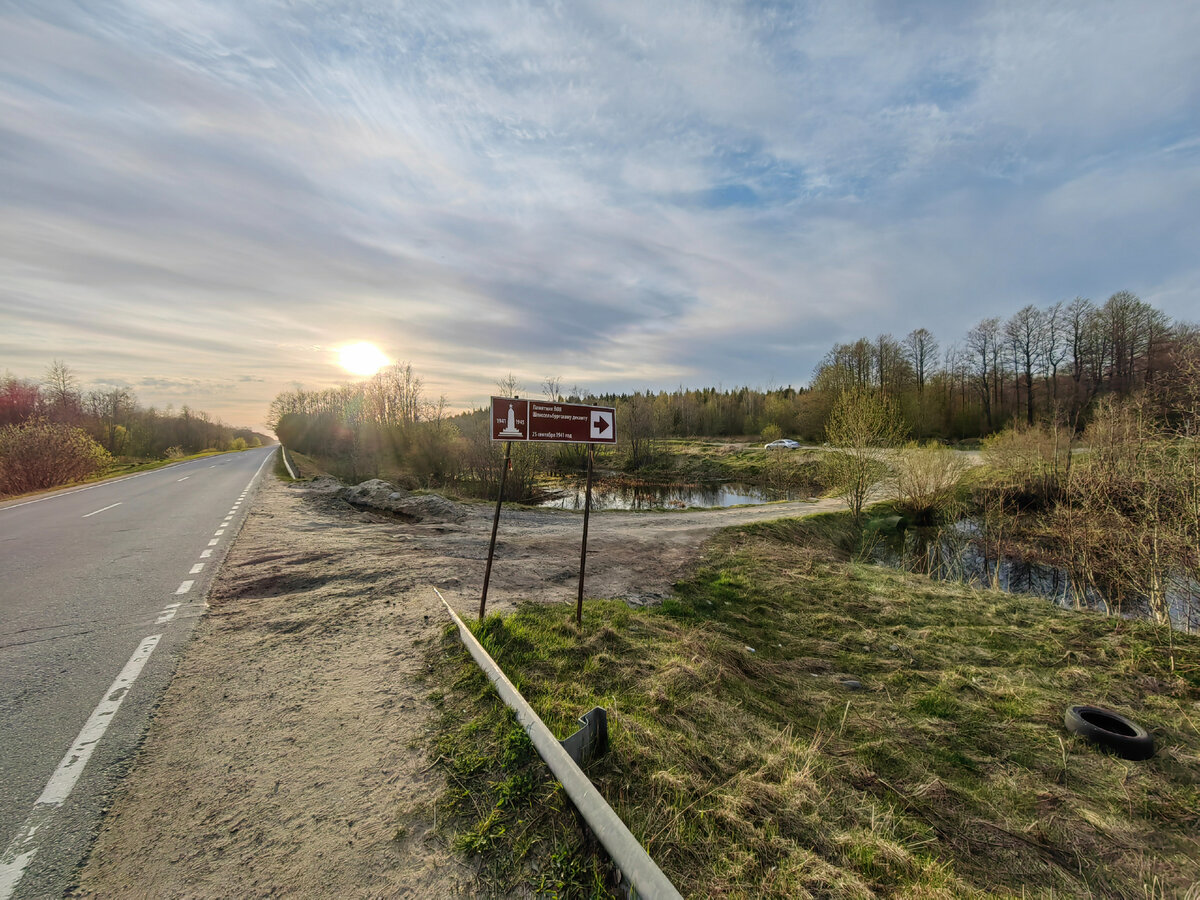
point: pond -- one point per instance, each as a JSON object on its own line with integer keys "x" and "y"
{"x": 606, "y": 494}
{"x": 955, "y": 554}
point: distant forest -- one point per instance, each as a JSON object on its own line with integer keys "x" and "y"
{"x": 113, "y": 418}
{"x": 1049, "y": 365}
{"x": 1042, "y": 364}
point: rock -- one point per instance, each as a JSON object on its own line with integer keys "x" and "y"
{"x": 851, "y": 684}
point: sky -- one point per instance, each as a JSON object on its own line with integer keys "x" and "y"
{"x": 202, "y": 201}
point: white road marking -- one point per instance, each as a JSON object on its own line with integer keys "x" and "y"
{"x": 89, "y": 515}
{"x": 22, "y": 848}
{"x": 218, "y": 532}
{"x": 205, "y": 554}
{"x": 184, "y": 587}
{"x": 173, "y": 605}
{"x": 76, "y": 491}
{"x": 165, "y": 617}
{"x": 196, "y": 569}
{"x": 226, "y": 523}
{"x": 184, "y": 478}
{"x": 213, "y": 542}
{"x": 92, "y": 487}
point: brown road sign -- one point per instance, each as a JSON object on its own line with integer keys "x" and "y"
{"x": 537, "y": 420}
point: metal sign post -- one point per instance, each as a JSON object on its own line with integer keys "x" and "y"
{"x": 587, "y": 510}
{"x": 514, "y": 419}
{"x": 487, "y": 573}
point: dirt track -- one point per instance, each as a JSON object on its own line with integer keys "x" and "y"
{"x": 287, "y": 758}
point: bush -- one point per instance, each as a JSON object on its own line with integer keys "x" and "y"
{"x": 39, "y": 454}
{"x": 238, "y": 444}
{"x": 927, "y": 482}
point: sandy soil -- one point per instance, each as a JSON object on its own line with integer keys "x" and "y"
{"x": 288, "y": 755}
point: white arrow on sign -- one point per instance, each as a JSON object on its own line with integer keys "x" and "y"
{"x": 601, "y": 424}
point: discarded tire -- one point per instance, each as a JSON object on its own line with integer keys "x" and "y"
{"x": 1110, "y": 730}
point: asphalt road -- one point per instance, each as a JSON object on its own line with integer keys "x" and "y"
{"x": 99, "y": 590}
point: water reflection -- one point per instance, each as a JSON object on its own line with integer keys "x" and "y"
{"x": 569, "y": 494}
{"x": 955, "y": 554}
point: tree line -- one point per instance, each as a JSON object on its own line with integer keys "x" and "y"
{"x": 1052, "y": 362}
{"x": 1041, "y": 363}
{"x": 52, "y": 431}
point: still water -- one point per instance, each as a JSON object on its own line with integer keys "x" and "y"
{"x": 955, "y": 554}
{"x": 569, "y": 494}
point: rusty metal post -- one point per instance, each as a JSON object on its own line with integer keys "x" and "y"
{"x": 487, "y": 573}
{"x": 587, "y": 509}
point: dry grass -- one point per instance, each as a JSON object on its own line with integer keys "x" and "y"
{"x": 750, "y": 767}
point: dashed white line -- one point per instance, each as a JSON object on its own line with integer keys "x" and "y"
{"x": 89, "y": 515}
{"x": 205, "y": 554}
{"x": 213, "y": 542}
{"x": 184, "y": 587}
{"x": 184, "y": 478}
{"x": 22, "y": 849}
{"x": 218, "y": 532}
{"x": 196, "y": 569}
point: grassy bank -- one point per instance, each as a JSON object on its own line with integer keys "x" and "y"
{"x": 793, "y": 723}
{"x": 120, "y": 469}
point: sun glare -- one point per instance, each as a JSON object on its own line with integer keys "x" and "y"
{"x": 361, "y": 358}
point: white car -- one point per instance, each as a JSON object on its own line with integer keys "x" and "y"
{"x": 783, "y": 444}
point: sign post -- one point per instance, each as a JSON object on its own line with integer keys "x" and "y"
{"x": 514, "y": 419}
{"x": 587, "y": 509}
{"x": 487, "y": 573}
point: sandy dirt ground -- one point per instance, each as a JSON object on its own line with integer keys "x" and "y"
{"x": 288, "y": 757}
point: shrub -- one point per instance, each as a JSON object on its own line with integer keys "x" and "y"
{"x": 927, "y": 482}
{"x": 38, "y": 454}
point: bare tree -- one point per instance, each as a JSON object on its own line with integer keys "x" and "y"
{"x": 1024, "y": 331}
{"x": 983, "y": 347}
{"x": 508, "y": 386}
{"x": 62, "y": 391}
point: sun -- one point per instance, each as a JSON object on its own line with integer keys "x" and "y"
{"x": 361, "y": 358}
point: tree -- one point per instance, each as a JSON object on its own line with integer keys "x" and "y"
{"x": 62, "y": 391}
{"x": 19, "y": 400}
{"x": 860, "y": 425}
{"x": 1024, "y": 330}
{"x": 982, "y": 345}
{"x": 920, "y": 349}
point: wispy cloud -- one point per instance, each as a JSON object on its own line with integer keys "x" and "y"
{"x": 625, "y": 194}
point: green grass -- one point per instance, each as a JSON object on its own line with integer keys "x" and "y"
{"x": 760, "y": 773}
{"x": 119, "y": 470}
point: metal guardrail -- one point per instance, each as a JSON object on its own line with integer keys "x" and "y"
{"x": 288, "y": 463}
{"x": 646, "y": 878}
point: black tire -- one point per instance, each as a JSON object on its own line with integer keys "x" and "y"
{"x": 1110, "y": 730}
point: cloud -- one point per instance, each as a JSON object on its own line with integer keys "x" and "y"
{"x": 207, "y": 196}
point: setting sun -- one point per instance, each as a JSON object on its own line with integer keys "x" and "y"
{"x": 361, "y": 358}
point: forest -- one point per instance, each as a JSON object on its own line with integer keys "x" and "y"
{"x": 1046, "y": 365}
